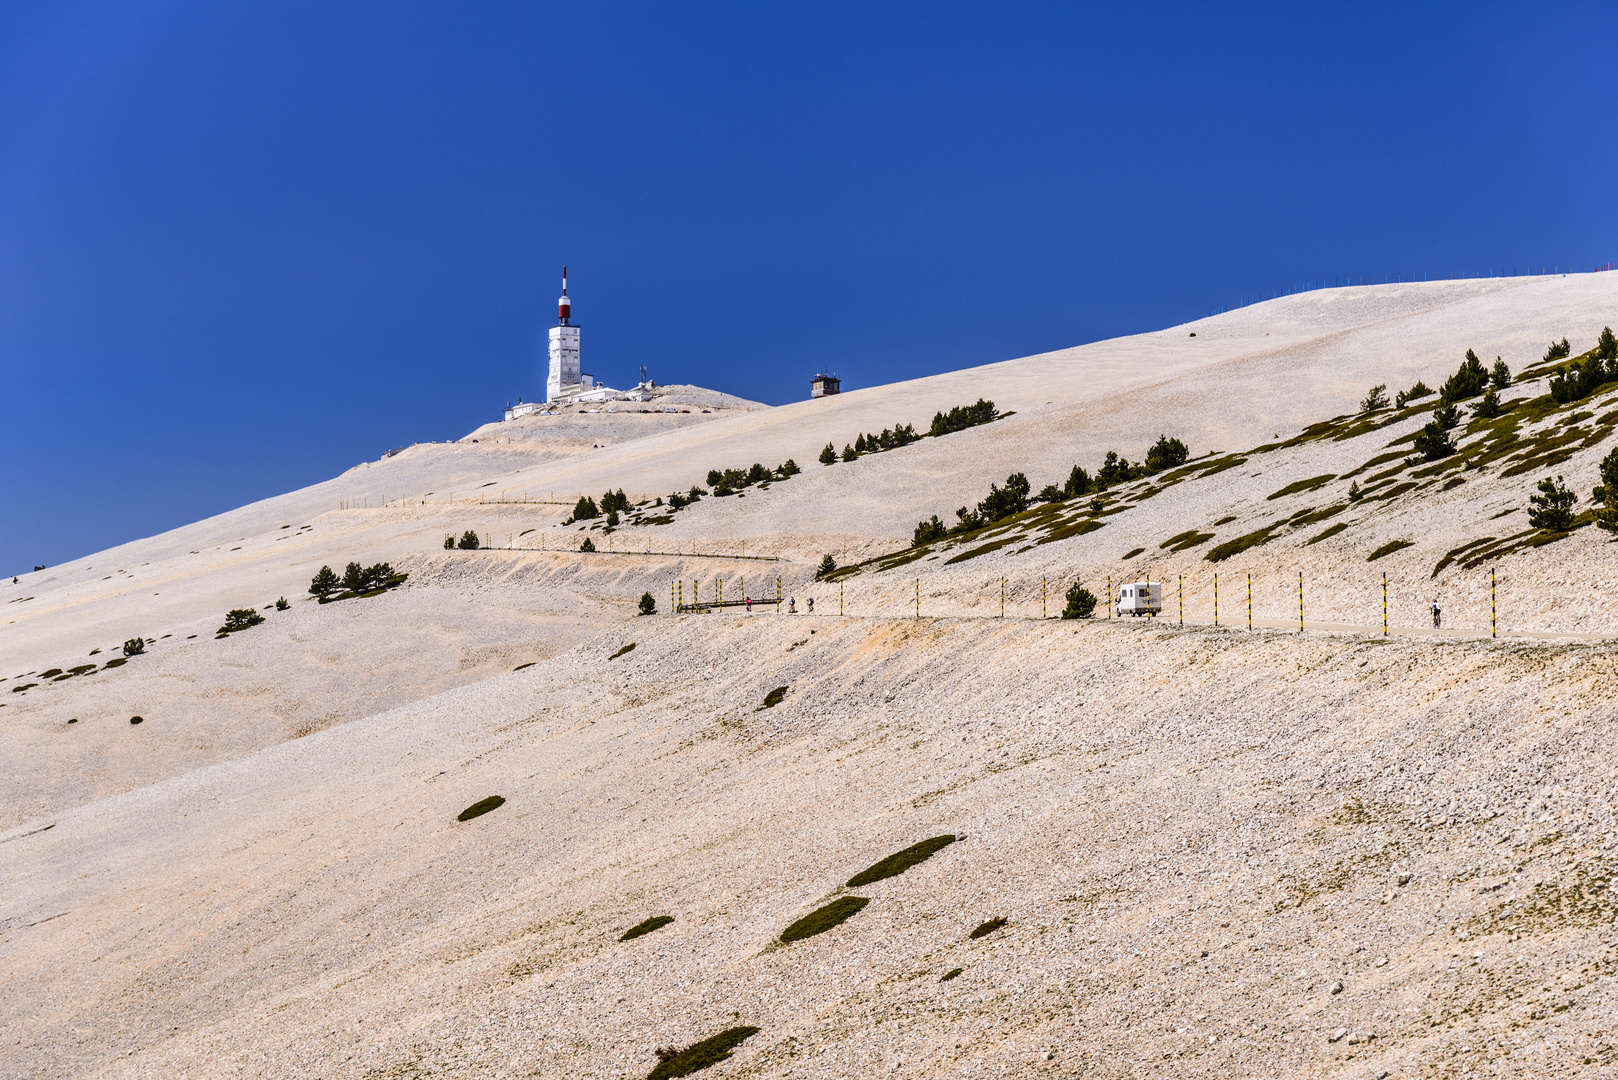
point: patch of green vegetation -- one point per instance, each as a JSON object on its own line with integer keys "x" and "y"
{"x": 1309, "y": 517}
{"x": 1326, "y": 533}
{"x": 1585, "y": 900}
{"x": 1133, "y": 553}
{"x": 117, "y": 661}
{"x": 701, "y": 1055}
{"x": 1380, "y": 459}
{"x": 137, "y": 719}
{"x": 656, "y": 922}
{"x": 824, "y": 918}
{"x": 950, "y": 974}
{"x": 1224, "y": 520}
{"x": 773, "y": 698}
{"x": 1188, "y": 539}
{"x": 985, "y": 929}
{"x": 1454, "y": 553}
{"x": 1074, "y": 528}
{"x": 982, "y": 549}
{"x": 481, "y": 807}
{"x": 1256, "y": 538}
{"x": 627, "y": 648}
{"x": 1311, "y": 484}
{"x": 519, "y": 667}
{"x": 1389, "y": 548}
{"x": 1393, "y": 492}
{"x": 24, "y": 686}
{"x": 900, "y": 861}
{"x": 50, "y": 673}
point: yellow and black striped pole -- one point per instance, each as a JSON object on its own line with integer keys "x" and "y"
{"x": 1300, "y": 601}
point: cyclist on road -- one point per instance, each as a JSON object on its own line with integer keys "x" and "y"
{"x": 1438, "y": 615}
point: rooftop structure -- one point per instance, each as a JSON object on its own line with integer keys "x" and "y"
{"x": 825, "y": 385}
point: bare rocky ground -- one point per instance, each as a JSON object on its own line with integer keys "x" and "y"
{"x": 1193, "y": 834}
{"x": 1216, "y": 853}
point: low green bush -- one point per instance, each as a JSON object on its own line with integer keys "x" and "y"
{"x": 648, "y": 604}
{"x": 1552, "y": 508}
{"x": 519, "y": 667}
{"x": 1389, "y": 549}
{"x": 988, "y": 928}
{"x": 50, "y": 673}
{"x": 656, "y": 922}
{"x": 627, "y": 648}
{"x": 1081, "y": 603}
{"x": 828, "y": 565}
{"x": 950, "y": 974}
{"x": 698, "y": 1056}
{"x": 281, "y": 604}
{"x": 774, "y": 697}
{"x": 824, "y": 918}
{"x": 481, "y": 807}
{"x": 900, "y": 861}
{"x": 588, "y": 545}
{"x": 117, "y": 661}
{"x": 137, "y": 719}
{"x": 134, "y": 646}
{"x": 240, "y": 619}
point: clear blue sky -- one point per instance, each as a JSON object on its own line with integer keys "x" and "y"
{"x": 244, "y": 246}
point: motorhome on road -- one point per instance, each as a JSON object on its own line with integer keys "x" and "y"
{"x": 1140, "y": 598}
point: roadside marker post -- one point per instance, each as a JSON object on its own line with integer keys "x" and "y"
{"x": 1300, "y": 601}
{"x": 1384, "y": 603}
{"x": 1042, "y": 598}
{"x": 1493, "y": 631}
{"x": 1216, "y": 599}
{"x": 1002, "y": 598}
{"x": 839, "y": 598}
{"x": 1249, "y": 603}
{"x": 1182, "y": 601}
{"x": 918, "y": 598}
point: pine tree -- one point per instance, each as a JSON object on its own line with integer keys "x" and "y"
{"x": 828, "y": 456}
{"x": 1552, "y": 508}
{"x": 324, "y": 584}
{"x": 648, "y": 604}
{"x": 1167, "y": 453}
{"x": 1376, "y": 398}
{"x": 1433, "y": 442}
{"x": 588, "y": 545}
{"x": 827, "y": 566}
{"x": 1078, "y": 483}
{"x": 585, "y": 509}
{"x": 469, "y": 541}
{"x": 1488, "y": 407}
{"x": 1500, "y": 374}
{"x": 1081, "y": 603}
{"x": 1607, "y": 493}
{"x": 354, "y": 577}
{"x": 849, "y": 453}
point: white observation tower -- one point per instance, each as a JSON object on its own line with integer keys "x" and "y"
{"x": 565, "y": 378}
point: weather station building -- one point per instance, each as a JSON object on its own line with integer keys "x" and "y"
{"x": 825, "y": 386}
{"x": 566, "y": 382}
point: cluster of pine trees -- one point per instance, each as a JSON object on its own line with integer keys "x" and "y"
{"x": 1015, "y": 497}
{"x": 612, "y": 504}
{"x": 356, "y": 579}
{"x": 1587, "y": 374}
{"x": 729, "y": 481}
{"x": 957, "y": 419}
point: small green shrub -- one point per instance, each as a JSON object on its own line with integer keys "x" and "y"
{"x": 117, "y": 661}
{"x": 1433, "y": 442}
{"x": 827, "y": 565}
{"x": 648, "y": 604}
{"x": 950, "y": 974}
{"x": 710, "y": 1051}
{"x": 1081, "y": 603}
{"x": 656, "y": 922}
{"x": 588, "y": 545}
{"x": 1500, "y": 374}
{"x": 519, "y": 667}
{"x": 824, "y": 918}
{"x": 988, "y": 928}
{"x": 828, "y": 456}
{"x": 137, "y": 719}
{"x": 50, "y": 673}
{"x": 774, "y": 698}
{"x": 1489, "y": 407}
{"x": 1552, "y": 508}
{"x": 240, "y": 619}
{"x": 468, "y": 541}
{"x": 134, "y": 647}
{"x": 627, "y": 648}
{"x": 481, "y": 807}
{"x": 281, "y": 604}
{"x": 1404, "y": 397}
{"x": 1469, "y": 380}
{"x": 1376, "y": 398}
{"x": 962, "y": 417}
{"x": 900, "y": 861}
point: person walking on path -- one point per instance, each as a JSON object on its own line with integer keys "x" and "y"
{"x": 749, "y": 602}
{"x": 792, "y": 605}
{"x": 811, "y": 602}
{"x": 1438, "y": 615}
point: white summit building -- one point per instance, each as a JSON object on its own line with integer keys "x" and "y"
{"x": 567, "y": 384}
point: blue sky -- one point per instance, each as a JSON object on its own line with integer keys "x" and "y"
{"x": 245, "y": 246}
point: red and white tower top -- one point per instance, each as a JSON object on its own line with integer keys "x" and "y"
{"x": 564, "y": 306}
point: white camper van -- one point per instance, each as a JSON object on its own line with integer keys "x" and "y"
{"x": 1140, "y": 598}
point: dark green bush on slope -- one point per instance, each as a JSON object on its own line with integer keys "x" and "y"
{"x": 1081, "y": 603}
{"x": 900, "y": 861}
{"x": 824, "y": 918}
{"x": 700, "y": 1055}
{"x": 656, "y": 922}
